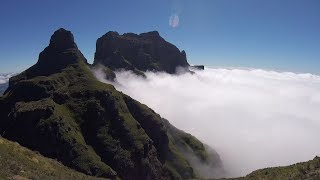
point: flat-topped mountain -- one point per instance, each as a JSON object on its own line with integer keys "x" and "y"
{"x": 58, "y": 108}
{"x": 143, "y": 52}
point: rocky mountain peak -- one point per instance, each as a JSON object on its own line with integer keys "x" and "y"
{"x": 112, "y": 33}
{"x": 139, "y": 53}
{"x": 59, "y": 54}
{"x": 62, "y": 39}
{"x": 151, "y": 34}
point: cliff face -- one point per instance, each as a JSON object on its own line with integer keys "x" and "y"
{"x": 144, "y": 52}
{"x": 57, "y": 107}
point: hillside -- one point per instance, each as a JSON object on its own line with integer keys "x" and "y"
{"x": 18, "y": 162}
{"x": 305, "y": 170}
{"x": 58, "y": 108}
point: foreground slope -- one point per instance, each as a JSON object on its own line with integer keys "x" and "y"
{"x": 18, "y": 162}
{"x": 57, "y": 107}
{"x": 306, "y": 170}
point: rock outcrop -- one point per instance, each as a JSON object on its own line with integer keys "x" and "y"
{"x": 58, "y": 108}
{"x": 139, "y": 53}
{"x": 197, "y": 67}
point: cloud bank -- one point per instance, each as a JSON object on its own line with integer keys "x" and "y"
{"x": 4, "y": 78}
{"x": 252, "y": 118}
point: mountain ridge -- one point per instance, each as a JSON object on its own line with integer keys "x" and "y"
{"x": 58, "y": 107}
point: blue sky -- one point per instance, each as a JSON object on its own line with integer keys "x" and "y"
{"x": 275, "y": 34}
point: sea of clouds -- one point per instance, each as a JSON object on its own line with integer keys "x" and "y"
{"x": 253, "y": 118}
{"x": 4, "y": 78}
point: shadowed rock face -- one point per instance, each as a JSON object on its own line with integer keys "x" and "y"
{"x": 58, "y": 108}
{"x": 144, "y": 52}
{"x": 3, "y": 87}
{"x": 62, "y": 40}
{"x": 61, "y": 52}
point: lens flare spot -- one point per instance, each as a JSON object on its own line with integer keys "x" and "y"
{"x": 174, "y": 21}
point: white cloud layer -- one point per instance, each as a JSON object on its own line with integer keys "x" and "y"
{"x": 252, "y": 118}
{"x": 4, "y": 78}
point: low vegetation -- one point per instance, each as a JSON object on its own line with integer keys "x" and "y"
{"x": 306, "y": 170}
{"x": 18, "y": 162}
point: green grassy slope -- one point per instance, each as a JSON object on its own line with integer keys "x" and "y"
{"x": 306, "y": 170}
{"x": 18, "y": 162}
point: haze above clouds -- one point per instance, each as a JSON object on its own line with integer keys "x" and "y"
{"x": 252, "y": 118}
